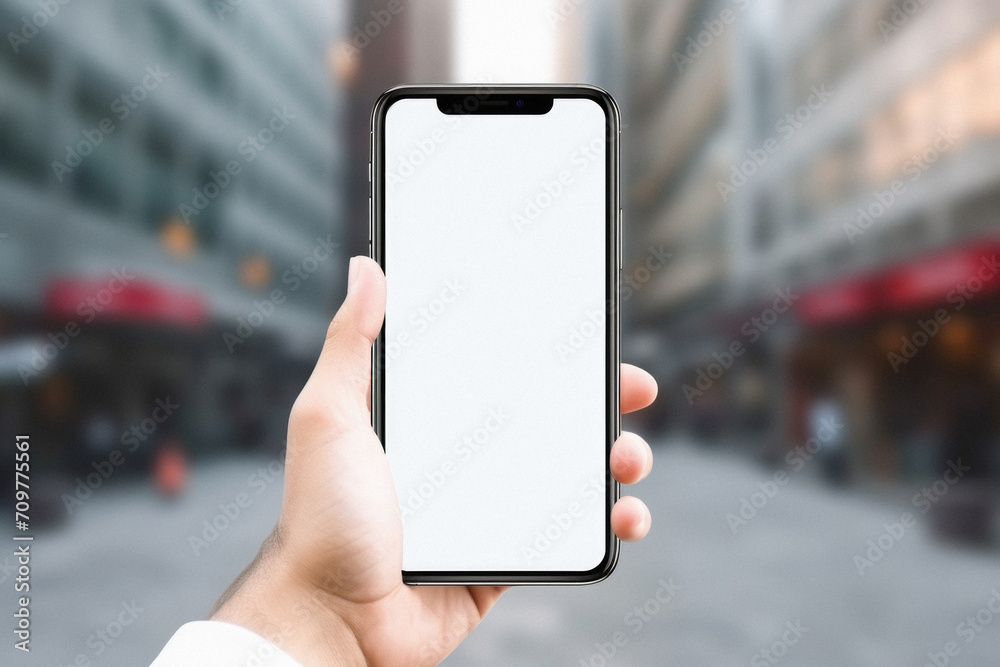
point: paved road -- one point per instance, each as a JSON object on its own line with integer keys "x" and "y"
{"x": 692, "y": 594}
{"x": 785, "y": 583}
{"x": 127, "y": 550}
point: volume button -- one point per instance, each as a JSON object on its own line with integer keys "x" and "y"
{"x": 621, "y": 251}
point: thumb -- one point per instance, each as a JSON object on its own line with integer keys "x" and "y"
{"x": 343, "y": 372}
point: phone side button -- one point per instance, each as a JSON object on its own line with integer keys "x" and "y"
{"x": 621, "y": 252}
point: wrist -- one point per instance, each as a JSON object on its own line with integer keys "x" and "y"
{"x": 271, "y": 601}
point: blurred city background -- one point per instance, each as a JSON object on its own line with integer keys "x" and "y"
{"x": 811, "y": 194}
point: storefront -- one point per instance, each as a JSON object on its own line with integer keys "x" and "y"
{"x": 114, "y": 346}
{"x": 911, "y": 357}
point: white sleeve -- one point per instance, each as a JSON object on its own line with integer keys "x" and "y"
{"x": 218, "y": 644}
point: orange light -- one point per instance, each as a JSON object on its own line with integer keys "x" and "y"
{"x": 958, "y": 90}
{"x": 342, "y": 59}
{"x": 890, "y": 338}
{"x": 959, "y": 339}
{"x": 255, "y": 271}
{"x": 985, "y": 109}
{"x": 178, "y": 238}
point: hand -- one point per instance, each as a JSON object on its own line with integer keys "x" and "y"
{"x": 327, "y": 585}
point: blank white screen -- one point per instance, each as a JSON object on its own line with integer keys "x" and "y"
{"x": 495, "y": 385}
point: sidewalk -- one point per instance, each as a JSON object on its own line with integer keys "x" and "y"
{"x": 692, "y": 594}
{"x": 785, "y": 589}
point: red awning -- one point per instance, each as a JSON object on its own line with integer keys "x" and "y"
{"x": 841, "y": 302}
{"x": 919, "y": 283}
{"x": 123, "y": 299}
{"x": 929, "y": 281}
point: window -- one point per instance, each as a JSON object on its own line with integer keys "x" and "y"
{"x": 21, "y": 152}
{"x": 95, "y": 181}
{"x": 32, "y": 64}
{"x": 765, "y": 223}
{"x": 165, "y": 31}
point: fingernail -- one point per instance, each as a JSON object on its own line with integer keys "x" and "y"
{"x": 352, "y": 274}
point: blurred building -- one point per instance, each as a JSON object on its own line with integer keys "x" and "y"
{"x": 387, "y": 45}
{"x": 170, "y": 195}
{"x": 590, "y": 39}
{"x": 683, "y": 123}
{"x": 384, "y": 45}
{"x": 826, "y": 176}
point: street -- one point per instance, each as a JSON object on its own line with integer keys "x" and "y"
{"x": 791, "y": 565}
{"x": 113, "y": 583}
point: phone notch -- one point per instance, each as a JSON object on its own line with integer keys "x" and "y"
{"x": 483, "y": 102}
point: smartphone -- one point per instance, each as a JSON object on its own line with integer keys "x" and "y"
{"x": 495, "y": 384}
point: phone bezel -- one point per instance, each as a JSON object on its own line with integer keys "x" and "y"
{"x": 612, "y": 290}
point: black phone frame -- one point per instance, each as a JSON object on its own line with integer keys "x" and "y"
{"x": 493, "y": 99}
